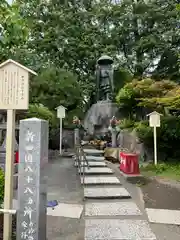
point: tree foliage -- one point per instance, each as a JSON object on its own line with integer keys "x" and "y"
{"x": 148, "y": 93}
{"x": 54, "y": 87}
{"x": 142, "y": 37}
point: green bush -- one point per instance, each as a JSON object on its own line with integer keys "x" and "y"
{"x": 168, "y": 137}
{"x": 42, "y": 112}
{"x": 1, "y": 186}
{"x": 126, "y": 123}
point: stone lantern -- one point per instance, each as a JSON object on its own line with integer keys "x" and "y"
{"x": 104, "y": 77}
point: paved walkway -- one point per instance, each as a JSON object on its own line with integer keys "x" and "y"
{"x": 65, "y": 221}
{"x": 110, "y": 213}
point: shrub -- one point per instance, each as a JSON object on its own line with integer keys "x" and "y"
{"x": 1, "y": 186}
{"x": 168, "y": 137}
{"x": 42, "y": 112}
{"x": 126, "y": 123}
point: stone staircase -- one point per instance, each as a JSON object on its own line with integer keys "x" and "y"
{"x": 110, "y": 213}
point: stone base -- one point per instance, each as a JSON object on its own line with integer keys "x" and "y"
{"x": 133, "y": 178}
{"x": 98, "y": 116}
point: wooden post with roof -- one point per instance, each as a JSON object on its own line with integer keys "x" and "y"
{"x": 14, "y": 95}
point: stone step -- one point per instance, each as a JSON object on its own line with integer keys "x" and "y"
{"x": 97, "y": 170}
{"x": 115, "y": 229}
{"x": 111, "y": 209}
{"x": 92, "y": 164}
{"x": 93, "y": 151}
{"x": 94, "y": 158}
{"x": 100, "y": 180}
{"x": 106, "y": 193}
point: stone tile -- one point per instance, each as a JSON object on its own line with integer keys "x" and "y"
{"x": 111, "y": 209}
{"x": 66, "y": 210}
{"x": 93, "y": 164}
{"x": 97, "y": 170}
{"x": 95, "y": 158}
{"x": 108, "y": 229}
{"x": 93, "y": 151}
{"x": 163, "y": 216}
{"x": 100, "y": 180}
{"x": 106, "y": 192}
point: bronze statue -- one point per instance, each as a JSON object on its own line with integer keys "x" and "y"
{"x": 104, "y": 75}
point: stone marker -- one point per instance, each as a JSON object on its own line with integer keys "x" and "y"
{"x": 106, "y": 192}
{"x": 96, "y": 229}
{"x": 32, "y": 200}
{"x": 100, "y": 180}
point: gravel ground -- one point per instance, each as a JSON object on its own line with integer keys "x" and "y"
{"x": 161, "y": 195}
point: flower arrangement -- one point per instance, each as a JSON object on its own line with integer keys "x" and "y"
{"x": 76, "y": 122}
{"x": 114, "y": 122}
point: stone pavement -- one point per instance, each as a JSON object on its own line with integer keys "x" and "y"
{"x": 110, "y": 213}
{"x": 65, "y": 222}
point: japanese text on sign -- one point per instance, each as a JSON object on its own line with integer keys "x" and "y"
{"x": 27, "y": 223}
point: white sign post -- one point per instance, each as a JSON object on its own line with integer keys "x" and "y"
{"x": 61, "y": 113}
{"x": 14, "y": 95}
{"x": 154, "y": 121}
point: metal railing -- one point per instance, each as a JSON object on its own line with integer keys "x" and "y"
{"x": 81, "y": 161}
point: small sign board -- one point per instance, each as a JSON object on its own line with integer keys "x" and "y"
{"x": 154, "y": 119}
{"x": 14, "y": 85}
{"x": 61, "y": 111}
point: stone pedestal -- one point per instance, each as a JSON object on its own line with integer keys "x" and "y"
{"x": 32, "y": 192}
{"x": 76, "y": 136}
{"x": 98, "y": 116}
{"x": 113, "y": 136}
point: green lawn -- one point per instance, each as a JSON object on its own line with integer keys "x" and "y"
{"x": 164, "y": 170}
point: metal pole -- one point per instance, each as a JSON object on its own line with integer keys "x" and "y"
{"x": 60, "y": 140}
{"x": 155, "y": 146}
{"x": 8, "y": 196}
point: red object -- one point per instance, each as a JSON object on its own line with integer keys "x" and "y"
{"x": 129, "y": 163}
{"x": 17, "y": 157}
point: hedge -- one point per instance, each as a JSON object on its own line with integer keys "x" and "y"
{"x": 168, "y": 137}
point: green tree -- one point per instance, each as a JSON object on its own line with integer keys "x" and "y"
{"x": 13, "y": 31}
{"x": 137, "y": 95}
{"x": 54, "y": 87}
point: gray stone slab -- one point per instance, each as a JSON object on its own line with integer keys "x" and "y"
{"x": 114, "y": 229}
{"x": 95, "y": 158}
{"x": 112, "y": 209}
{"x": 93, "y": 164}
{"x": 163, "y": 216}
{"x": 93, "y": 151}
{"x": 32, "y": 192}
{"x": 106, "y": 192}
{"x": 100, "y": 180}
{"x": 66, "y": 210}
{"x": 97, "y": 170}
